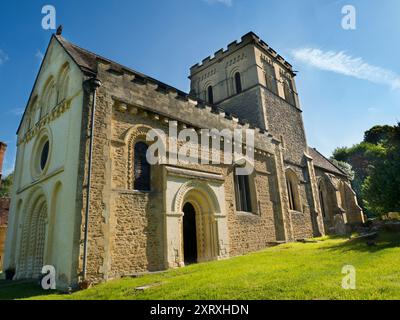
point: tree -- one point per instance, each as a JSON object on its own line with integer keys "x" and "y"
{"x": 378, "y": 134}
{"x": 5, "y": 187}
{"x": 381, "y": 189}
{"x": 360, "y": 157}
{"x": 345, "y": 167}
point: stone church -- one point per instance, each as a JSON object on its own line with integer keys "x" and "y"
{"x": 86, "y": 200}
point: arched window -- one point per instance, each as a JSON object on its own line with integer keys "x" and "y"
{"x": 270, "y": 78}
{"x": 35, "y": 111}
{"x": 288, "y": 89}
{"x": 243, "y": 193}
{"x": 141, "y": 168}
{"x": 49, "y": 97}
{"x": 210, "y": 94}
{"x": 322, "y": 200}
{"x": 28, "y": 122}
{"x": 44, "y": 155}
{"x": 292, "y": 184}
{"x": 238, "y": 82}
{"x": 63, "y": 83}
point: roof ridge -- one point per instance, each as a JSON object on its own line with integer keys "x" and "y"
{"x": 87, "y": 61}
{"x": 97, "y": 56}
{"x": 329, "y": 161}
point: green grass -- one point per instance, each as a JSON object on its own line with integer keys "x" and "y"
{"x": 289, "y": 271}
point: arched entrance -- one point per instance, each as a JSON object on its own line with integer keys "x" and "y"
{"x": 199, "y": 207}
{"x": 33, "y": 240}
{"x": 189, "y": 234}
{"x": 196, "y": 227}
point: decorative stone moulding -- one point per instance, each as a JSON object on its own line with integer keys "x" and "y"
{"x": 123, "y": 106}
{"x": 247, "y": 38}
{"x": 54, "y": 114}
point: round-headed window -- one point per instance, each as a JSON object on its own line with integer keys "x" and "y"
{"x": 44, "y": 155}
{"x": 41, "y": 155}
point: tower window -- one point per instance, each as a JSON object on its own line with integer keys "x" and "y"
{"x": 141, "y": 167}
{"x": 289, "y": 92}
{"x": 243, "y": 195}
{"x": 210, "y": 94}
{"x": 238, "y": 82}
{"x": 270, "y": 78}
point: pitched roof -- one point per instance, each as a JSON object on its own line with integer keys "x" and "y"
{"x": 88, "y": 62}
{"x": 323, "y": 163}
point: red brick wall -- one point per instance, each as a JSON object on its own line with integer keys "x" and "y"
{"x": 4, "y": 207}
{"x": 3, "y": 148}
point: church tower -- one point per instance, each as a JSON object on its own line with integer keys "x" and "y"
{"x": 251, "y": 80}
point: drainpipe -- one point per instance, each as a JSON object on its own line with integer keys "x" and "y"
{"x": 92, "y": 85}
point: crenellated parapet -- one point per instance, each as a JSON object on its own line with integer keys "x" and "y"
{"x": 249, "y": 38}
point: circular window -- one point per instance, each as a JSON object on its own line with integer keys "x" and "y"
{"x": 44, "y": 155}
{"x": 41, "y": 156}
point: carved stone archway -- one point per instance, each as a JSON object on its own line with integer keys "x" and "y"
{"x": 211, "y": 222}
{"x": 203, "y": 191}
{"x": 33, "y": 238}
{"x": 206, "y": 206}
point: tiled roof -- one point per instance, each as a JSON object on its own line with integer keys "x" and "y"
{"x": 87, "y": 61}
{"x": 322, "y": 162}
{"x": 84, "y": 59}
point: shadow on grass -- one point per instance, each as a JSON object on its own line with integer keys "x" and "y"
{"x": 11, "y": 290}
{"x": 384, "y": 240}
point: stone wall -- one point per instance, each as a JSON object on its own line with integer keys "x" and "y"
{"x": 285, "y": 122}
{"x": 126, "y": 227}
{"x": 302, "y": 224}
{"x": 339, "y": 199}
{"x": 247, "y": 106}
{"x": 253, "y": 231}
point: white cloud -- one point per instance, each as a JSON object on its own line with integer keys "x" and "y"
{"x": 17, "y": 111}
{"x": 3, "y": 57}
{"x": 39, "y": 54}
{"x": 340, "y": 62}
{"x": 225, "y": 2}
{"x": 8, "y": 167}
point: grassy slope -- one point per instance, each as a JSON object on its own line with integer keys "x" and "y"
{"x": 290, "y": 271}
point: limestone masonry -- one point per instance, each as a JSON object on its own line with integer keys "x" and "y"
{"x": 144, "y": 217}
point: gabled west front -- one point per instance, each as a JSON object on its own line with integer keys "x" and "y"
{"x": 143, "y": 217}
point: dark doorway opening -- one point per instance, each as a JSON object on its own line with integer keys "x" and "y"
{"x": 189, "y": 234}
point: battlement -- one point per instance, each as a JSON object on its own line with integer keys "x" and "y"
{"x": 248, "y": 38}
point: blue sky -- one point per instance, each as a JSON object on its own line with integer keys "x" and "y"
{"x": 348, "y": 80}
